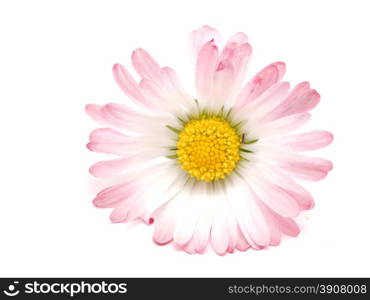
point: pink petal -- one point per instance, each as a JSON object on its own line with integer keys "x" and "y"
{"x": 129, "y": 210}
{"x": 177, "y": 88}
{"x": 123, "y": 117}
{"x": 237, "y": 56}
{"x": 205, "y": 70}
{"x": 184, "y": 229}
{"x": 121, "y": 149}
{"x": 167, "y": 94}
{"x": 109, "y": 141}
{"x": 174, "y": 80}
{"x": 163, "y": 230}
{"x": 232, "y": 227}
{"x": 118, "y": 215}
{"x": 112, "y": 200}
{"x": 261, "y": 82}
{"x": 107, "y": 135}
{"x": 275, "y": 197}
{"x": 238, "y": 38}
{"x": 305, "y": 167}
{"x": 110, "y": 119}
{"x": 110, "y": 196}
{"x": 274, "y": 230}
{"x": 285, "y": 125}
{"x": 219, "y": 234}
{"x": 241, "y": 244}
{"x": 128, "y": 85}
{"x": 121, "y": 211}
{"x": 200, "y": 37}
{"x": 270, "y": 98}
{"x": 279, "y": 224}
{"x": 258, "y": 228}
{"x": 276, "y": 176}
{"x": 94, "y": 111}
{"x": 123, "y": 112}
{"x": 201, "y": 234}
{"x": 300, "y": 100}
{"x": 145, "y": 65}
{"x": 151, "y": 91}
{"x": 286, "y": 225}
{"x": 307, "y": 141}
{"x": 223, "y": 84}
{"x": 202, "y": 230}
{"x": 107, "y": 168}
{"x": 249, "y": 216}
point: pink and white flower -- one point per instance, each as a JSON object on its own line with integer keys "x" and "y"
{"x": 217, "y": 169}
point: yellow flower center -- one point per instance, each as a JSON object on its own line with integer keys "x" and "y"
{"x": 208, "y": 149}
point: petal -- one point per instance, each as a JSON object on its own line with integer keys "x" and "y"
{"x": 248, "y": 214}
{"x": 131, "y": 183}
{"x": 162, "y": 82}
{"x": 145, "y": 65}
{"x": 107, "y": 168}
{"x": 238, "y": 38}
{"x": 219, "y": 235}
{"x": 287, "y": 226}
{"x": 270, "y": 98}
{"x": 122, "y": 210}
{"x": 202, "y": 230}
{"x": 232, "y": 229}
{"x": 118, "y": 215}
{"x": 176, "y": 91}
{"x": 176, "y": 221}
{"x": 166, "y": 94}
{"x": 300, "y": 100}
{"x": 177, "y": 87}
{"x": 110, "y": 196}
{"x": 276, "y": 176}
{"x": 219, "y": 231}
{"x": 163, "y": 229}
{"x": 131, "y": 146}
{"x": 260, "y": 83}
{"x": 283, "y": 126}
{"x": 307, "y": 141}
{"x": 174, "y": 181}
{"x": 241, "y": 244}
{"x": 223, "y": 84}
{"x": 94, "y": 112}
{"x": 128, "y": 85}
{"x": 123, "y": 117}
{"x": 279, "y": 224}
{"x": 152, "y": 91}
{"x": 238, "y": 56}
{"x": 157, "y": 190}
{"x": 301, "y": 166}
{"x": 274, "y": 230}
{"x": 205, "y": 70}
{"x": 107, "y": 135}
{"x": 273, "y": 195}
{"x": 200, "y": 37}
{"x": 186, "y": 213}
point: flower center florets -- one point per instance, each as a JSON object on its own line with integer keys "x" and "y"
{"x": 208, "y": 149}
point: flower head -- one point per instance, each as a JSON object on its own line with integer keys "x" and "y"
{"x": 215, "y": 169}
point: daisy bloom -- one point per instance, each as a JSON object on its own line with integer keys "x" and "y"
{"x": 218, "y": 168}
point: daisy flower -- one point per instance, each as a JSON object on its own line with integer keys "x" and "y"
{"x": 218, "y": 168}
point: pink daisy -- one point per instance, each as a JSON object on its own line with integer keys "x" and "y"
{"x": 217, "y": 169}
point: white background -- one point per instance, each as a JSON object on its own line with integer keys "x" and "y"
{"x": 56, "y": 56}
